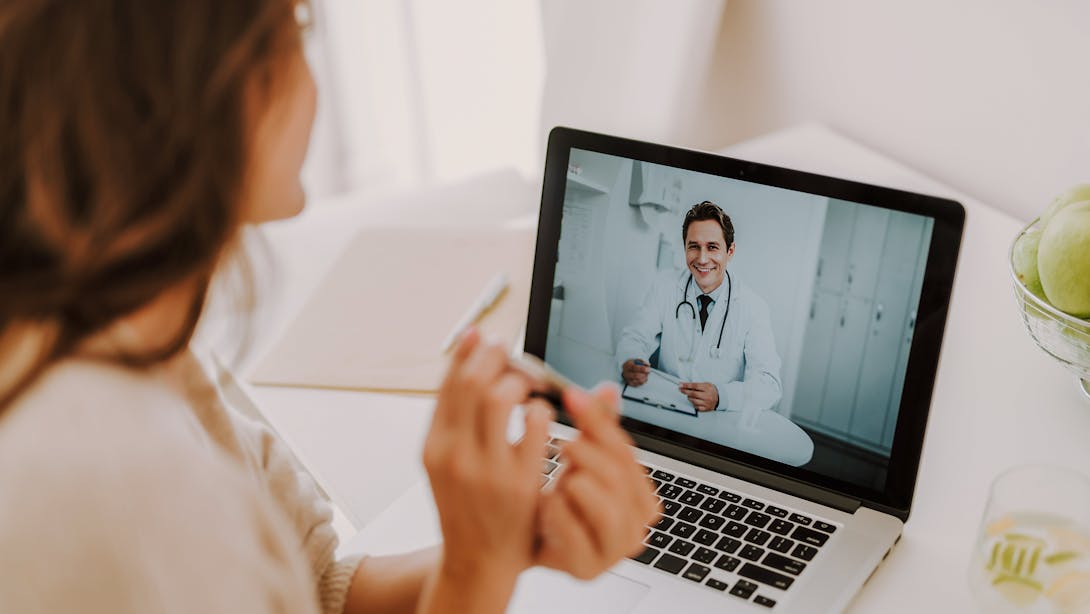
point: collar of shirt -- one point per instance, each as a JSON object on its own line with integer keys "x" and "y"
{"x": 694, "y": 291}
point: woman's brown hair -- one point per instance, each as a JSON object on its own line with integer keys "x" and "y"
{"x": 123, "y": 150}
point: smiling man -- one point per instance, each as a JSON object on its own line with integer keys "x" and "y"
{"x": 709, "y": 328}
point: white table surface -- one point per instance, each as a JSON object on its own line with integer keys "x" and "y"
{"x": 764, "y": 433}
{"x": 998, "y": 402}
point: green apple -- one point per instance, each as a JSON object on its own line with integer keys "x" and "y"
{"x": 1076, "y": 194}
{"x": 1024, "y": 260}
{"x": 1063, "y": 259}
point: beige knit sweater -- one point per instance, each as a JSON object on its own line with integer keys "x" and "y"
{"x": 126, "y": 492}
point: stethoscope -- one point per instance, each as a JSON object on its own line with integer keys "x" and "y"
{"x": 692, "y": 309}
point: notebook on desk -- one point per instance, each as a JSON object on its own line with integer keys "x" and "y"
{"x": 375, "y": 324}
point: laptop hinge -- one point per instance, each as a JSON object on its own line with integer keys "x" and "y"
{"x": 748, "y": 473}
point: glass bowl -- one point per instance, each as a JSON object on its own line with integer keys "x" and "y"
{"x": 1064, "y": 337}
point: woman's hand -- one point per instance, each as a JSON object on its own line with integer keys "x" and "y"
{"x": 486, "y": 489}
{"x": 597, "y": 511}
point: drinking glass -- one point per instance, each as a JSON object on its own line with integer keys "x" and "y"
{"x": 1032, "y": 552}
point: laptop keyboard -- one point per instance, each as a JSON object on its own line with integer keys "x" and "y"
{"x": 739, "y": 545}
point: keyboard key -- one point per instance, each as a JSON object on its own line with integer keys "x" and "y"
{"x": 696, "y": 572}
{"x": 683, "y": 529}
{"x": 751, "y": 552}
{"x": 716, "y": 584}
{"x": 544, "y": 480}
{"x": 662, "y": 475}
{"x": 657, "y": 483}
{"x": 713, "y": 505}
{"x": 646, "y": 469}
{"x": 706, "y": 555}
{"x": 824, "y": 526}
{"x": 743, "y": 589}
{"x": 735, "y": 529}
{"x": 782, "y": 563}
{"x": 778, "y": 512}
{"x": 659, "y": 540}
{"x": 691, "y": 497}
{"x": 681, "y": 547}
{"x": 689, "y": 514}
{"x": 735, "y": 512}
{"x": 757, "y": 519}
{"x": 728, "y": 544}
{"x": 670, "y": 491}
{"x": 765, "y": 576}
{"x": 727, "y": 495}
{"x": 706, "y": 537}
{"x": 781, "y": 544}
{"x": 780, "y": 527}
{"x": 713, "y": 522}
{"x": 810, "y": 536}
{"x": 804, "y": 552}
{"x": 685, "y": 482}
{"x": 757, "y": 536}
{"x": 711, "y": 491}
{"x": 799, "y": 518}
{"x": 669, "y": 508}
{"x": 670, "y": 563}
{"x": 727, "y": 562}
{"x": 753, "y": 504}
{"x": 664, "y": 523}
{"x": 765, "y": 601}
{"x": 646, "y": 556}
{"x": 552, "y": 452}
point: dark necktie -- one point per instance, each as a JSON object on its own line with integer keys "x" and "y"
{"x": 705, "y": 300}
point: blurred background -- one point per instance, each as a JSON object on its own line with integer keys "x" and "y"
{"x": 989, "y": 96}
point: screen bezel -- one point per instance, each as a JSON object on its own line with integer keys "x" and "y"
{"x": 949, "y": 222}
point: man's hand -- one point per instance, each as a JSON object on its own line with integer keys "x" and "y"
{"x": 597, "y": 511}
{"x": 635, "y": 371}
{"x": 703, "y": 395}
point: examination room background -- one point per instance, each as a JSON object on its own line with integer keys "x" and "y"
{"x": 842, "y": 317}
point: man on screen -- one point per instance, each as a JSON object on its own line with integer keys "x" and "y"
{"x": 709, "y": 329}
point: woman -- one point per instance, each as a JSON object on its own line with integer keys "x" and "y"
{"x": 136, "y": 139}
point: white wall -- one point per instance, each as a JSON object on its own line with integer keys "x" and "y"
{"x": 629, "y": 67}
{"x": 990, "y": 96}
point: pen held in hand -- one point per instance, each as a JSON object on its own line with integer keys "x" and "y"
{"x": 492, "y": 294}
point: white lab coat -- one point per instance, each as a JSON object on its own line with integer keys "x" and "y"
{"x": 746, "y": 367}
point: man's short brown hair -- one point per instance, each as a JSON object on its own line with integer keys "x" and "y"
{"x": 708, "y": 210}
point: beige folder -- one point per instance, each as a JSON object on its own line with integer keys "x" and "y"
{"x": 379, "y": 318}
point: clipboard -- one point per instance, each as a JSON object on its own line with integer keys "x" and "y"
{"x": 661, "y": 390}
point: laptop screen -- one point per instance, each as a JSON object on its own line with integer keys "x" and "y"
{"x": 761, "y": 319}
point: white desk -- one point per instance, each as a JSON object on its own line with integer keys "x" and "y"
{"x": 998, "y": 401}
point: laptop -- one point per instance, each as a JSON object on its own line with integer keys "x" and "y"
{"x": 789, "y": 494}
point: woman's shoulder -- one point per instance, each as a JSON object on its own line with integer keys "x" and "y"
{"x": 80, "y": 404}
{"x": 104, "y": 485}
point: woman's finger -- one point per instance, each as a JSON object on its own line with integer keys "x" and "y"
{"x": 566, "y": 543}
{"x": 595, "y": 414}
{"x": 531, "y": 448}
{"x": 609, "y": 467}
{"x": 612, "y": 529}
{"x": 449, "y": 410}
{"x": 500, "y": 398}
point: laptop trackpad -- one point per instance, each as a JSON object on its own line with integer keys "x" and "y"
{"x": 544, "y": 591}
